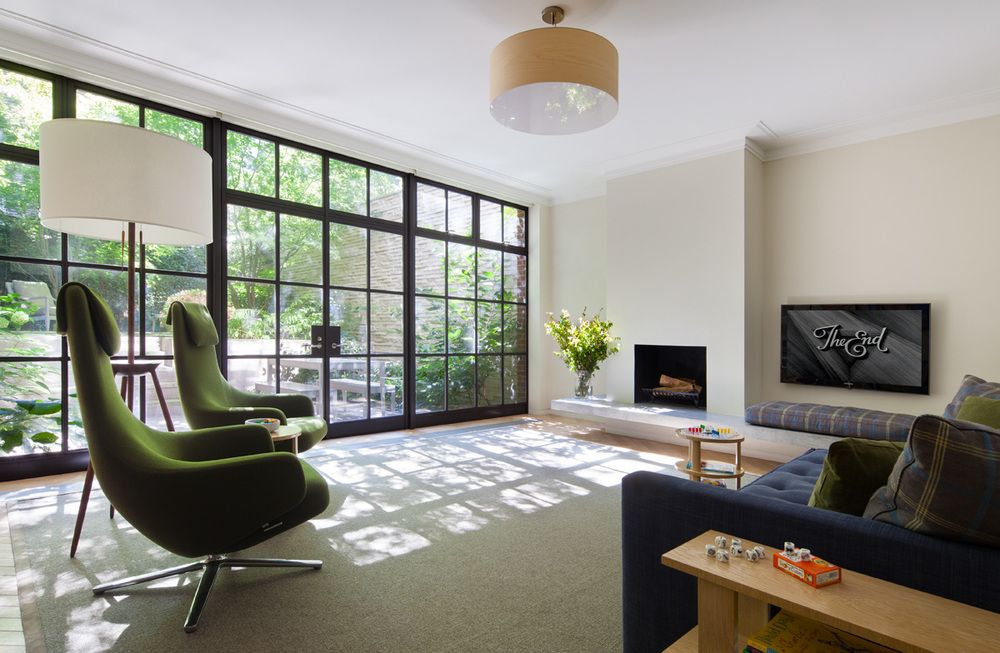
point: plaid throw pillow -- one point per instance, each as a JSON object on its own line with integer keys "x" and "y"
{"x": 972, "y": 386}
{"x": 945, "y": 482}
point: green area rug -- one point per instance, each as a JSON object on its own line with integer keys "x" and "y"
{"x": 496, "y": 538}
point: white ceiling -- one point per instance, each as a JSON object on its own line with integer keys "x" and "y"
{"x": 412, "y": 76}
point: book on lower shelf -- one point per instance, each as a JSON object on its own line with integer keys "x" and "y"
{"x": 790, "y": 633}
{"x": 715, "y": 466}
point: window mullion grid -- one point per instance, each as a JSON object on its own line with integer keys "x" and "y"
{"x": 325, "y": 249}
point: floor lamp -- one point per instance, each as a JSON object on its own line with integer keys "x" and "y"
{"x": 116, "y": 182}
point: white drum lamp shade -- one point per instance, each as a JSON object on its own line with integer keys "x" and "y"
{"x": 554, "y": 81}
{"x": 97, "y": 176}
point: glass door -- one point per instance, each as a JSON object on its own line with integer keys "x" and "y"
{"x": 390, "y": 301}
{"x": 314, "y": 268}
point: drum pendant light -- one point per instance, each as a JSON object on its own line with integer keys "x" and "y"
{"x": 554, "y": 80}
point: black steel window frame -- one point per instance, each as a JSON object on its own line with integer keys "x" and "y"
{"x": 447, "y": 415}
{"x": 215, "y": 276}
{"x": 64, "y": 91}
{"x": 326, "y": 216}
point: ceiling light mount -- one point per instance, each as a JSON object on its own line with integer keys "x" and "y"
{"x": 554, "y": 81}
{"x": 553, "y": 15}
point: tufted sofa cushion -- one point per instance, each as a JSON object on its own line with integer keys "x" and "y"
{"x": 794, "y": 481}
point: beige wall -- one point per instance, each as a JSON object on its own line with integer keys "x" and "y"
{"x": 676, "y": 257}
{"x": 576, "y": 268}
{"x": 910, "y": 218}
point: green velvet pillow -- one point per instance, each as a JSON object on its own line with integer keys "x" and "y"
{"x": 981, "y": 410}
{"x": 853, "y": 469}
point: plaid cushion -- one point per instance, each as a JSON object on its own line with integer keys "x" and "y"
{"x": 945, "y": 482}
{"x": 972, "y": 386}
{"x": 842, "y": 421}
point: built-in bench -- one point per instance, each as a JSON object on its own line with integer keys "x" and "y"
{"x": 839, "y": 421}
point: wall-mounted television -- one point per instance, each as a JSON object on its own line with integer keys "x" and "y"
{"x": 868, "y": 346}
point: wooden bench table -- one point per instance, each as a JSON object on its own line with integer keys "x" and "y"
{"x": 733, "y": 601}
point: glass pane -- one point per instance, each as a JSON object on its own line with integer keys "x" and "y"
{"x": 21, "y": 233}
{"x": 161, "y": 291}
{"x": 387, "y": 261}
{"x": 252, "y": 374}
{"x": 190, "y": 131}
{"x": 459, "y": 214}
{"x": 92, "y": 250}
{"x": 461, "y": 382}
{"x": 151, "y": 403}
{"x": 28, "y": 309}
{"x": 301, "y": 250}
{"x": 430, "y": 266}
{"x": 387, "y": 196}
{"x": 176, "y": 258}
{"x": 430, "y": 383}
{"x": 30, "y": 396}
{"x": 348, "y": 256}
{"x": 430, "y": 314}
{"x": 99, "y": 107}
{"x": 251, "y": 318}
{"x": 387, "y": 324}
{"x": 250, "y": 243}
{"x": 302, "y": 376}
{"x": 349, "y": 311}
{"x": 387, "y": 387}
{"x": 489, "y": 388}
{"x": 513, "y": 226}
{"x": 461, "y": 270}
{"x": 301, "y": 176}
{"x": 77, "y": 437}
{"x": 430, "y": 207}
{"x": 515, "y": 379}
{"x": 112, "y": 285}
{"x": 489, "y": 327}
{"x": 490, "y": 221}
{"x": 249, "y": 164}
{"x": 461, "y": 326}
{"x": 25, "y": 103}
{"x": 489, "y": 272}
{"x": 348, "y": 190}
{"x": 515, "y": 328}
{"x": 515, "y": 277}
{"x": 349, "y": 387}
{"x": 301, "y": 308}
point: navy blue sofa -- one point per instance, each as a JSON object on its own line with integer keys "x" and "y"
{"x": 660, "y": 512}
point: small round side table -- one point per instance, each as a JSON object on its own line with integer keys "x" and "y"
{"x": 695, "y": 472}
{"x": 288, "y": 432}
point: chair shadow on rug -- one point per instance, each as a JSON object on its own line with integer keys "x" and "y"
{"x": 200, "y": 494}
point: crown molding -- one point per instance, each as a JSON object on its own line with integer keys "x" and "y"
{"x": 941, "y": 112}
{"x": 50, "y": 48}
{"x": 47, "y": 47}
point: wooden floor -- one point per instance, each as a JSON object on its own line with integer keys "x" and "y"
{"x": 11, "y": 632}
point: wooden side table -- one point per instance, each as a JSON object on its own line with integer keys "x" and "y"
{"x": 733, "y": 601}
{"x": 129, "y": 372}
{"x": 695, "y": 472}
{"x": 288, "y": 432}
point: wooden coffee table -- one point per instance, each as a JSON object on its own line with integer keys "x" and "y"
{"x": 733, "y": 601}
{"x": 287, "y": 432}
{"x": 695, "y": 472}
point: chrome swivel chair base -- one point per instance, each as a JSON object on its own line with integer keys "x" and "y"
{"x": 211, "y": 565}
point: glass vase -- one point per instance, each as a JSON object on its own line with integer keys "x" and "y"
{"x": 584, "y": 384}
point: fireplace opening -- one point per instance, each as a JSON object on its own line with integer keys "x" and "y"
{"x": 670, "y": 374}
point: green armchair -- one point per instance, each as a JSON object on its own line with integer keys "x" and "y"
{"x": 202, "y": 493}
{"x": 209, "y": 400}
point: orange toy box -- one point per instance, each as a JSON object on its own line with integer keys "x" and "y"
{"x": 806, "y": 567}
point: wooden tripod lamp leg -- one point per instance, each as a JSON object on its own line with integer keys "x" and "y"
{"x": 82, "y": 512}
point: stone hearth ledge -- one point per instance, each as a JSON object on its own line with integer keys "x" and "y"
{"x": 658, "y": 421}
